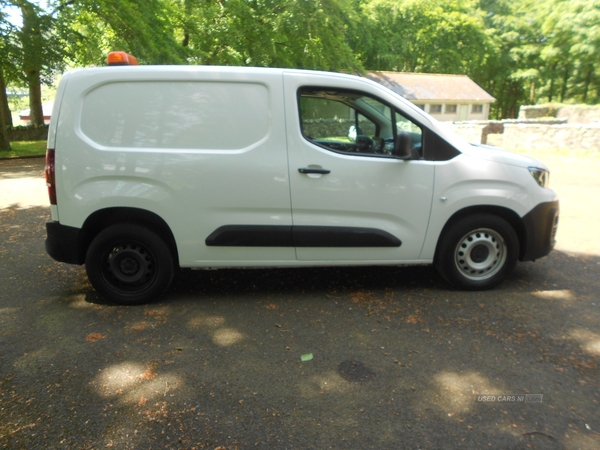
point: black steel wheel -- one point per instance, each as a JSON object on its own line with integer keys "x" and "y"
{"x": 477, "y": 252}
{"x": 129, "y": 264}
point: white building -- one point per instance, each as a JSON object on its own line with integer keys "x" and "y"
{"x": 446, "y": 97}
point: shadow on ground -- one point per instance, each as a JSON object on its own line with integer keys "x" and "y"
{"x": 398, "y": 358}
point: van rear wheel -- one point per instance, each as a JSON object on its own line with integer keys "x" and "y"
{"x": 477, "y": 252}
{"x": 129, "y": 264}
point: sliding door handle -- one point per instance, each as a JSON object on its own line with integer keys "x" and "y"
{"x": 308, "y": 170}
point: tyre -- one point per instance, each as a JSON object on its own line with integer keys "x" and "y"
{"x": 477, "y": 252}
{"x": 129, "y": 264}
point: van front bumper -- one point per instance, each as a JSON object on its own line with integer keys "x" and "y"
{"x": 62, "y": 243}
{"x": 540, "y": 224}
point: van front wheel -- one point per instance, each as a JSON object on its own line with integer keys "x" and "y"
{"x": 477, "y": 252}
{"x": 129, "y": 264}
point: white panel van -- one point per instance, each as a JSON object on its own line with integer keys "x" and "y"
{"x": 150, "y": 168}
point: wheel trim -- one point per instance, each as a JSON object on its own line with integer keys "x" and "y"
{"x": 480, "y": 254}
{"x": 129, "y": 266}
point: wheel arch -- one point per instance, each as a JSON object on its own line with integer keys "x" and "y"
{"x": 507, "y": 214}
{"x": 107, "y": 217}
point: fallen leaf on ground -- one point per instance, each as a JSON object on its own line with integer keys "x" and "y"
{"x": 93, "y": 337}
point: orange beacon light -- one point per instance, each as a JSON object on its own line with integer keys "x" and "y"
{"x": 121, "y": 59}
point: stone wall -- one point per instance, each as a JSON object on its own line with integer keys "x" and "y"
{"x": 570, "y": 113}
{"x": 470, "y": 131}
{"x": 551, "y": 137}
{"x": 540, "y": 134}
{"x": 537, "y": 111}
{"x": 28, "y": 133}
{"x": 580, "y": 114}
{"x": 327, "y": 127}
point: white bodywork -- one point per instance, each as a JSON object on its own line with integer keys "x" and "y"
{"x": 203, "y": 147}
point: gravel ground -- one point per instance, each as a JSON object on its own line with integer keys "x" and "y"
{"x": 399, "y": 360}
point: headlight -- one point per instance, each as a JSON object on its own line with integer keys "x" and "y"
{"x": 541, "y": 176}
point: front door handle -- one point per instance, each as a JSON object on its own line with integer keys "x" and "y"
{"x": 308, "y": 170}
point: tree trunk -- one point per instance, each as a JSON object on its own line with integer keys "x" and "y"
{"x": 551, "y": 89}
{"x": 36, "y": 113}
{"x": 32, "y": 42}
{"x": 4, "y": 101}
{"x": 586, "y": 84}
{"x": 187, "y": 11}
{"x": 563, "y": 91}
{"x": 4, "y": 142}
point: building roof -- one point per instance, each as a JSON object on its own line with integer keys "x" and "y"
{"x": 46, "y": 110}
{"x": 431, "y": 87}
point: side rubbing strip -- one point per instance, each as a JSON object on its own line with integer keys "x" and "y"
{"x": 251, "y": 236}
{"x": 306, "y": 236}
{"x": 299, "y": 236}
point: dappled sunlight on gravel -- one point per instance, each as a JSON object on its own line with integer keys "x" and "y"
{"x": 456, "y": 392}
{"x": 564, "y": 295}
{"x": 23, "y": 193}
{"x": 132, "y": 382}
{"x": 397, "y": 357}
{"x": 589, "y": 341}
{"x": 225, "y": 337}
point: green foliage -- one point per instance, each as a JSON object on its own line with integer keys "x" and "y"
{"x": 295, "y": 33}
{"x": 7, "y": 73}
{"x": 33, "y": 53}
{"x": 40, "y": 49}
{"x": 92, "y": 28}
{"x": 428, "y": 36}
{"x": 9, "y": 47}
{"x": 548, "y": 52}
{"x": 520, "y": 52}
{"x": 571, "y": 53}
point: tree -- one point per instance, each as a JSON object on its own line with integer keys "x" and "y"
{"x": 520, "y": 52}
{"x": 549, "y": 52}
{"x": 144, "y": 28}
{"x": 5, "y": 65}
{"x": 572, "y": 29}
{"x": 5, "y": 114}
{"x": 40, "y": 53}
{"x": 426, "y": 36}
{"x": 516, "y": 67}
{"x": 295, "y": 33}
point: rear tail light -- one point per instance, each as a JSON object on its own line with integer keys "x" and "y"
{"x": 50, "y": 175}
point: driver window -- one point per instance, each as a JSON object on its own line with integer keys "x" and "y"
{"x": 354, "y": 123}
{"x": 340, "y": 121}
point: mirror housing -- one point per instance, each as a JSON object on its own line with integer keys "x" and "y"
{"x": 403, "y": 148}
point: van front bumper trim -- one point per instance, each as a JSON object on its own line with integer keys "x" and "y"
{"x": 540, "y": 230}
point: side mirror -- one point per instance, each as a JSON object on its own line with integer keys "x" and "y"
{"x": 404, "y": 146}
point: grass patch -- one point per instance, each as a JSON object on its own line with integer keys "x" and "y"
{"x": 25, "y": 148}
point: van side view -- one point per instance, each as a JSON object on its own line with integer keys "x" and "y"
{"x": 150, "y": 168}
